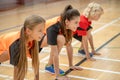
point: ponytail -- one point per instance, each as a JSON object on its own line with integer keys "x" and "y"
{"x": 22, "y": 62}
{"x": 68, "y": 7}
{"x": 68, "y": 14}
{"x": 34, "y": 55}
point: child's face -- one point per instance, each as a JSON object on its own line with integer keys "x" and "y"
{"x": 37, "y": 32}
{"x": 96, "y": 16}
{"x": 73, "y": 24}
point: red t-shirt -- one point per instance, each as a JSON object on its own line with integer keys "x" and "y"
{"x": 83, "y": 24}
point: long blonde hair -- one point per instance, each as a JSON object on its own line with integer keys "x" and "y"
{"x": 22, "y": 65}
{"x": 92, "y": 8}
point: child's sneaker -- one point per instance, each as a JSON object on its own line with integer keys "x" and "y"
{"x": 82, "y": 52}
{"x": 61, "y": 72}
{"x": 51, "y": 70}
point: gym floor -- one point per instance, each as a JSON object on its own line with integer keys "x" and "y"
{"x": 106, "y": 35}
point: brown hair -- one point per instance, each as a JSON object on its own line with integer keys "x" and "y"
{"x": 69, "y": 13}
{"x": 22, "y": 65}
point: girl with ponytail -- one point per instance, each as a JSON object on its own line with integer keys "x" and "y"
{"x": 20, "y": 45}
{"x": 58, "y": 35}
{"x": 83, "y": 33}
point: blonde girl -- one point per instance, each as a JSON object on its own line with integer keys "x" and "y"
{"x": 83, "y": 33}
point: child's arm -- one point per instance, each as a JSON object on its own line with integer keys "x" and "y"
{"x": 69, "y": 49}
{"x": 54, "y": 53}
{"x": 70, "y": 54}
{"x": 90, "y": 38}
{"x": 85, "y": 46}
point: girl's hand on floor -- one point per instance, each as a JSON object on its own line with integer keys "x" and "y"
{"x": 76, "y": 68}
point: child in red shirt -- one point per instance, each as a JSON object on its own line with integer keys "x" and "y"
{"x": 83, "y": 33}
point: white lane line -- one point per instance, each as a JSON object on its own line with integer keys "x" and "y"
{"x": 93, "y": 69}
{"x": 11, "y": 66}
{"x": 100, "y": 58}
{"x": 6, "y": 65}
{"x": 107, "y": 59}
{"x": 42, "y": 71}
{"x": 79, "y": 77}
{"x": 100, "y": 70}
{"x": 47, "y": 57}
{"x": 44, "y": 59}
{"x": 106, "y": 25}
{"x": 7, "y": 77}
{"x": 117, "y": 24}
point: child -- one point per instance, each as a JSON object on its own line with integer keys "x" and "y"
{"x": 19, "y": 45}
{"x": 83, "y": 32}
{"x": 60, "y": 34}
